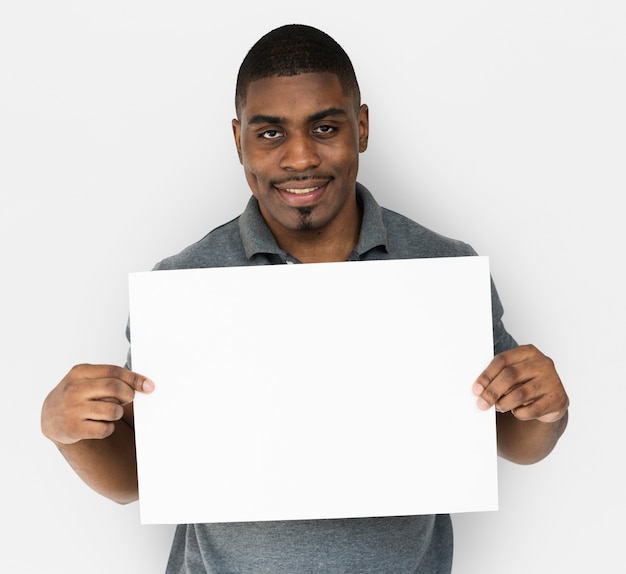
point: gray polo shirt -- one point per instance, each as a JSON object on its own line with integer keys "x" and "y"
{"x": 386, "y": 545}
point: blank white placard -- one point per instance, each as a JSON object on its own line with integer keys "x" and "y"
{"x": 313, "y": 391}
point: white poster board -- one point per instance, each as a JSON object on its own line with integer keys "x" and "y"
{"x": 313, "y": 391}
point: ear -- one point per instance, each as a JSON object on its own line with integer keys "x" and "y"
{"x": 237, "y": 134}
{"x": 364, "y": 127}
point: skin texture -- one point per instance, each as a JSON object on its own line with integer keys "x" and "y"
{"x": 530, "y": 400}
{"x": 308, "y": 138}
{"x": 89, "y": 416}
{"x": 294, "y": 133}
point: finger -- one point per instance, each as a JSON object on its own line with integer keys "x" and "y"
{"x": 104, "y": 410}
{"x": 89, "y": 429}
{"x": 506, "y": 358}
{"x": 133, "y": 380}
{"x": 136, "y": 381}
{"x": 93, "y": 420}
{"x": 506, "y": 372}
{"x": 109, "y": 390}
{"x": 542, "y": 409}
{"x": 77, "y": 391}
{"x": 98, "y": 429}
{"x": 519, "y": 395}
{"x": 511, "y": 380}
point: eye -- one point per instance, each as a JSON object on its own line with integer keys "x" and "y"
{"x": 324, "y": 130}
{"x": 270, "y": 134}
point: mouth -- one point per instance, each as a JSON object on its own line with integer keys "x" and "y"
{"x": 302, "y": 193}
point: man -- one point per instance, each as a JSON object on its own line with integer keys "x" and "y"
{"x": 299, "y": 131}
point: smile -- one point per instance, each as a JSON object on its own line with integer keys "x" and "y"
{"x": 300, "y": 191}
{"x": 295, "y": 194}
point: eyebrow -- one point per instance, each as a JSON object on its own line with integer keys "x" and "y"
{"x": 266, "y": 119}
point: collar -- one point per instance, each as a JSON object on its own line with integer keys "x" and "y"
{"x": 257, "y": 238}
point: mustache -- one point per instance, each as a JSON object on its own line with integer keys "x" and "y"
{"x": 301, "y": 178}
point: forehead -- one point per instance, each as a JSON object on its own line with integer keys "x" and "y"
{"x": 289, "y": 96}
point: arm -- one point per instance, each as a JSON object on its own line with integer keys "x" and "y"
{"x": 89, "y": 417}
{"x": 531, "y": 403}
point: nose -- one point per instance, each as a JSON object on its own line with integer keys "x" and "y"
{"x": 300, "y": 153}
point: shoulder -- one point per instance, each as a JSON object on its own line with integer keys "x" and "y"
{"x": 221, "y": 247}
{"x": 407, "y": 238}
{"x": 390, "y": 235}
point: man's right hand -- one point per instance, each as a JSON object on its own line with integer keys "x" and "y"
{"x": 88, "y": 402}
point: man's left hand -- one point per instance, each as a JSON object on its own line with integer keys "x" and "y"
{"x": 524, "y": 382}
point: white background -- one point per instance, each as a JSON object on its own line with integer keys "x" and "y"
{"x": 499, "y": 123}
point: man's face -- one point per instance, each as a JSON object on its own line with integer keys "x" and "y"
{"x": 299, "y": 139}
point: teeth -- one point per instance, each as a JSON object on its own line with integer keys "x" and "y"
{"x": 301, "y": 191}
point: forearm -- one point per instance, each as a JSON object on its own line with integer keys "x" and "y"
{"x": 527, "y": 442}
{"x": 108, "y": 465}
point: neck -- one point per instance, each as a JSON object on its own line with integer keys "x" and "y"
{"x": 333, "y": 242}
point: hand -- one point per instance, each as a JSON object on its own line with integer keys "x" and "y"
{"x": 524, "y": 382}
{"x": 88, "y": 402}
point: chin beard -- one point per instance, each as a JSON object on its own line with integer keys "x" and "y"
{"x": 305, "y": 219}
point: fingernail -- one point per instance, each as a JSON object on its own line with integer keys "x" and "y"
{"x": 477, "y": 389}
{"x": 483, "y": 405}
{"x": 147, "y": 386}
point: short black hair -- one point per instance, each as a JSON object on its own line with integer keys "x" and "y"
{"x": 292, "y": 50}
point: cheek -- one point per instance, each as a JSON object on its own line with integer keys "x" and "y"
{"x": 255, "y": 165}
{"x": 250, "y": 165}
{"x": 252, "y": 180}
{"x": 348, "y": 162}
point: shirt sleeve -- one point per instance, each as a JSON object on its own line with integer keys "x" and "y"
{"x": 502, "y": 339}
